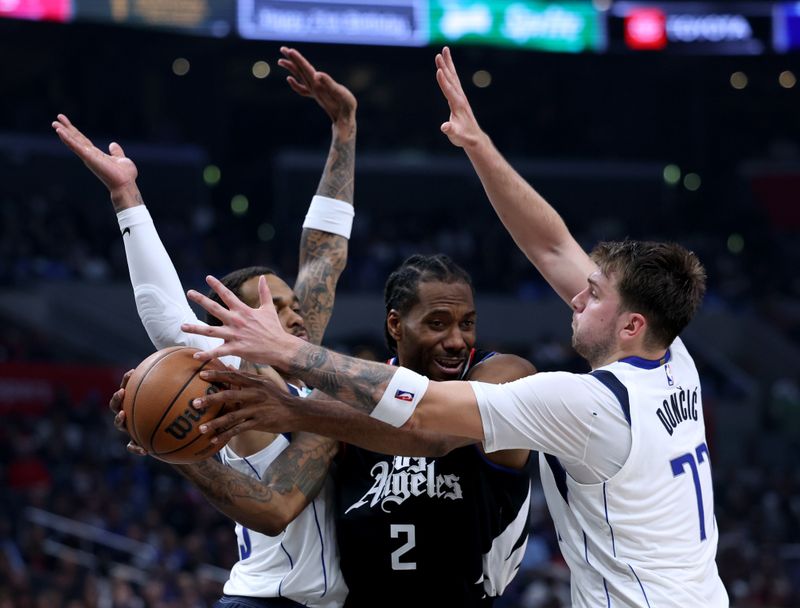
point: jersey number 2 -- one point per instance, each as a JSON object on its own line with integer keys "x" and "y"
{"x": 395, "y": 530}
{"x": 678, "y": 469}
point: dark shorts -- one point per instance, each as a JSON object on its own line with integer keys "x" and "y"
{"x": 240, "y": 601}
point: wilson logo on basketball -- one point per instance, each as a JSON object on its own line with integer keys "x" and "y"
{"x": 184, "y": 423}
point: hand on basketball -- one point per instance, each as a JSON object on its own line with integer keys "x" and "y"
{"x": 117, "y": 172}
{"x": 462, "y": 129}
{"x": 115, "y": 405}
{"x": 254, "y": 334}
{"x": 256, "y": 402}
{"x": 336, "y": 99}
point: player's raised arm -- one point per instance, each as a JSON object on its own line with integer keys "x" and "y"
{"x": 160, "y": 298}
{"x": 536, "y": 227}
{"x": 326, "y": 230}
{"x": 117, "y": 172}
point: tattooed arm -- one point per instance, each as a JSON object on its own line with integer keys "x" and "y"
{"x": 323, "y": 255}
{"x": 268, "y": 505}
{"x": 257, "y": 404}
{"x": 256, "y": 334}
{"x": 334, "y": 419}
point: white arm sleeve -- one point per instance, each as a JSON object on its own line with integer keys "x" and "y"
{"x": 159, "y": 295}
{"x": 571, "y": 416}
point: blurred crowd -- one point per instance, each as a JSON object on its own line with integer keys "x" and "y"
{"x": 51, "y": 238}
{"x": 148, "y": 540}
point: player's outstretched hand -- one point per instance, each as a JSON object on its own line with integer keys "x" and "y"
{"x": 254, "y": 334}
{"x": 336, "y": 99}
{"x": 115, "y": 405}
{"x": 252, "y": 402}
{"x": 462, "y": 129}
{"x": 117, "y": 172}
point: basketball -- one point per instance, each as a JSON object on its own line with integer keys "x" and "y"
{"x": 158, "y": 405}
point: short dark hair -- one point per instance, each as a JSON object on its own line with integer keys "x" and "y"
{"x": 401, "y": 292}
{"x": 665, "y": 282}
{"x": 234, "y": 282}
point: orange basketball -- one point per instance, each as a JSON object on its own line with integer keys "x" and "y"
{"x": 158, "y": 405}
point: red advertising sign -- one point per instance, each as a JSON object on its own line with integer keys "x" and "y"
{"x": 37, "y": 10}
{"x": 646, "y": 29}
{"x": 701, "y": 28}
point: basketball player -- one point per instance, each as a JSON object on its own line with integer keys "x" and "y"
{"x": 284, "y": 526}
{"x": 623, "y": 454}
{"x": 489, "y": 496}
{"x": 462, "y": 536}
{"x": 455, "y": 526}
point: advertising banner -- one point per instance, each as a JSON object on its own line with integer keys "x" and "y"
{"x": 703, "y": 28}
{"x": 201, "y": 17}
{"x": 37, "y": 10}
{"x": 391, "y": 22}
{"x": 786, "y": 27}
{"x": 567, "y": 27}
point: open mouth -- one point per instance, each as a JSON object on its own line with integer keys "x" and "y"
{"x": 302, "y": 334}
{"x": 449, "y": 366}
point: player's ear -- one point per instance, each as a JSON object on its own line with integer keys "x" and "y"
{"x": 635, "y": 326}
{"x": 393, "y": 324}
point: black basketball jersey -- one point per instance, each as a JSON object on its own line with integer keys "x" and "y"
{"x": 448, "y": 531}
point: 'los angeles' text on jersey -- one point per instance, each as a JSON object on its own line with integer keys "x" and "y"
{"x": 405, "y": 477}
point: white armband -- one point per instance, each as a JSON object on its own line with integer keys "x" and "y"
{"x": 330, "y": 215}
{"x": 405, "y": 391}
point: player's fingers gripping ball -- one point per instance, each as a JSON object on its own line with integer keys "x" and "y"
{"x": 158, "y": 405}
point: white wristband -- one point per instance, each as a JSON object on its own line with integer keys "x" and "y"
{"x": 405, "y": 391}
{"x": 330, "y": 215}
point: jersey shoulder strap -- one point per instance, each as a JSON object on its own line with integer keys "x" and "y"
{"x": 476, "y": 356}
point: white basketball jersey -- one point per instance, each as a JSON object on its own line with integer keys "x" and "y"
{"x": 301, "y": 563}
{"x": 647, "y": 536}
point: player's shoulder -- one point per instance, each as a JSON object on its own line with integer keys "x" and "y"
{"x": 494, "y": 367}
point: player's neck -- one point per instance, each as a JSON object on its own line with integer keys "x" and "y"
{"x": 638, "y": 351}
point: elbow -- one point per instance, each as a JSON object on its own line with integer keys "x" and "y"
{"x": 438, "y": 449}
{"x": 272, "y": 521}
{"x": 270, "y": 526}
{"x": 282, "y": 512}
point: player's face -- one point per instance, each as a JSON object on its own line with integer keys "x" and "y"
{"x": 286, "y": 303}
{"x": 596, "y": 314}
{"x": 435, "y": 337}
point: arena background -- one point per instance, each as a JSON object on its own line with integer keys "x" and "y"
{"x": 696, "y": 141}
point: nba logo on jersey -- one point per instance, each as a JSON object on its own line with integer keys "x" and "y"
{"x": 404, "y": 395}
{"x": 668, "y": 371}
